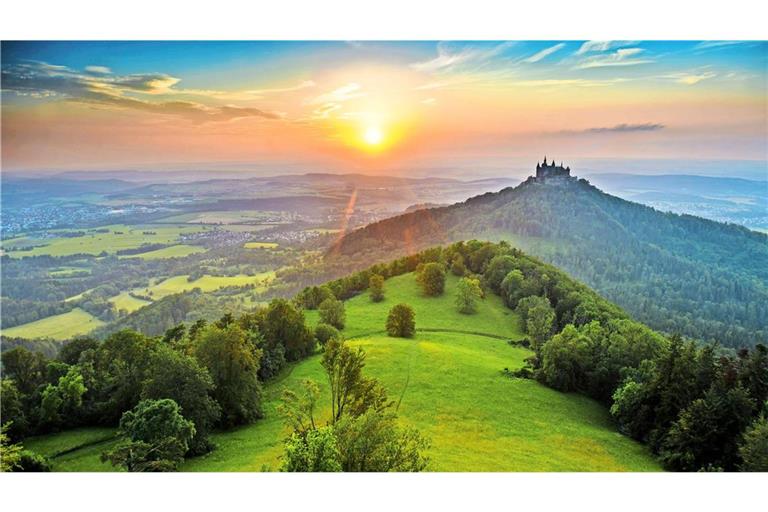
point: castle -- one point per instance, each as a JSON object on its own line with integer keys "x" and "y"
{"x": 545, "y": 170}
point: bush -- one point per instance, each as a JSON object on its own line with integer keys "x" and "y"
{"x": 332, "y": 313}
{"x": 325, "y": 332}
{"x": 31, "y": 462}
{"x": 431, "y": 278}
{"x": 376, "y": 287}
{"x": 401, "y": 321}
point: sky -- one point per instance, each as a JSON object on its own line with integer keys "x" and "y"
{"x": 379, "y": 106}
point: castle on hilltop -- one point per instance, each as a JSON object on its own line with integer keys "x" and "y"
{"x": 545, "y": 170}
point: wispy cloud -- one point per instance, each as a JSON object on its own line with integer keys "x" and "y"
{"x": 620, "y": 57}
{"x": 690, "y": 78}
{"x": 99, "y": 70}
{"x": 450, "y": 59}
{"x": 624, "y": 128}
{"x": 118, "y": 92}
{"x": 602, "y": 46}
{"x": 306, "y": 84}
{"x": 536, "y": 57}
{"x": 343, "y": 93}
{"x": 568, "y": 82}
{"x": 707, "y": 45}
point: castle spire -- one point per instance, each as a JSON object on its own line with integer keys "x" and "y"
{"x": 545, "y": 161}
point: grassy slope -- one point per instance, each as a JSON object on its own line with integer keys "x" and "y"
{"x": 448, "y": 385}
{"x": 58, "y": 327}
{"x": 124, "y": 301}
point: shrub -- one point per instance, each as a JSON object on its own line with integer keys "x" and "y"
{"x": 332, "y": 313}
{"x": 431, "y": 278}
{"x": 401, "y": 321}
{"x": 376, "y": 287}
{"x": 325, "y": 332}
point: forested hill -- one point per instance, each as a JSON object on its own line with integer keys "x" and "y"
{"x": 677, "y": 273}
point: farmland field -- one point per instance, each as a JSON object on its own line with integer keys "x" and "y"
{"x": 108, "y": 239}
{"x": 124, "y": 301}
{"x": 63, "y": 326}
{"x": 206, "y": 283}
{"x": 260, "y": 245}
{"x": 174, "y": 251}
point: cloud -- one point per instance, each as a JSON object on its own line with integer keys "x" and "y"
{"x": 625, "y": 128}
{"x": 343, "y": 93}
{"x": 690, "y": 78}
{"x": 568, "y": 82}
{"x": 451, "y": 59}
{"x": 621, "y": 57}
{"x": 707, "y": 45}
{"x": 429, "y": 101}
{"x": 536, "y": 57}
{"x": 602, "y": 46}
{"x": 99, "y": 70}
{"x": 306, "y": 84}
{"x": 40, "y": 79}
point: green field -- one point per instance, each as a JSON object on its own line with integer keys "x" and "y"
{"x": 57, "y": 327}
{"x": 206, "y": 283}
{"x": 94, "y": 242}
{"x": 222, "y": 217}
{"x": 125, "y": 302}
{"x": 448, "y": 384}
{"x": 260, "y": 245}
{"x": 174, "y": 251}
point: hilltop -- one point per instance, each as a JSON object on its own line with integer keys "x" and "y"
{"x": 676, "y": 273}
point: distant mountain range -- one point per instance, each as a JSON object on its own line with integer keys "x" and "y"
{"x": 677, "y": 273}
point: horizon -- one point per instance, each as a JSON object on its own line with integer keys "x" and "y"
{"x": 476, "y": 109}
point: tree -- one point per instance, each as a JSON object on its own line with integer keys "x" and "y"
{"x": 376, "y": 287}
{"x": 157, "y": 437}
{"x": 63, "y": 400}
{"x": 563, "y": 360}
{"x": 431, "y": 278}
{"x": 374, "y": 442}
{"x": 298, "y": 409}
{"x": 332, "y": 313}
{"x": 233, "y": 363}
{"x": 707, "y": 431}
{"x": 325, "y": 332}
{"x": 754, "y": 447}
{"x": 12, "y": 409}
{"x": 316, "y": 452}
{"x": 182, "y": 379}
{"x": 10, "y": 453}
{"x": 457, "y": 265}
{"x": 351, "y": 392}
{"x": 70, "y": 353}
{"x": 539, "y": 318}
{"x": 25, "y": 367}
{"x": 401, "y": 321}
{"x": 468, "y": 293}
{"x": 284, "y": 324}
{"x": 497, "y": 271}
{"x": 511, "y": 287}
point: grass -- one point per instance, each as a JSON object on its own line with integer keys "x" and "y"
{"x": 174, "y": 251}
{"x": 94, "y": 242}
{"x": 128, "y": 303}
{"x": 449, "y": 385}
{"x": 260, "y": 245}
{"x": 221, "y": 217}
{"x": 206, "y": 283}
{"x": 64, "y": 272}
{"x": 57, "y": 327}
{"x": 75, "y": 450}
{"x": 366, "y": 317}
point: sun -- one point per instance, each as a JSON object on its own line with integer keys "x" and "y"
{"x": 373, "y": 136}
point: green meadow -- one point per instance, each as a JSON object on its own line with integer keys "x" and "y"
{"x": 124, "y": 301}
{"x": 260, "y": 245}
{"x": 174, "y": 251}
{"x": 206, "y": 283}
{"x": 447, "y": 381}
{"x": 57, "y": 327}
{"x": 107, "y": 239}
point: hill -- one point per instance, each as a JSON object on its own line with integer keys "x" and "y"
{"x": 447, "y": 383}
{"x": 676, "y": 273}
